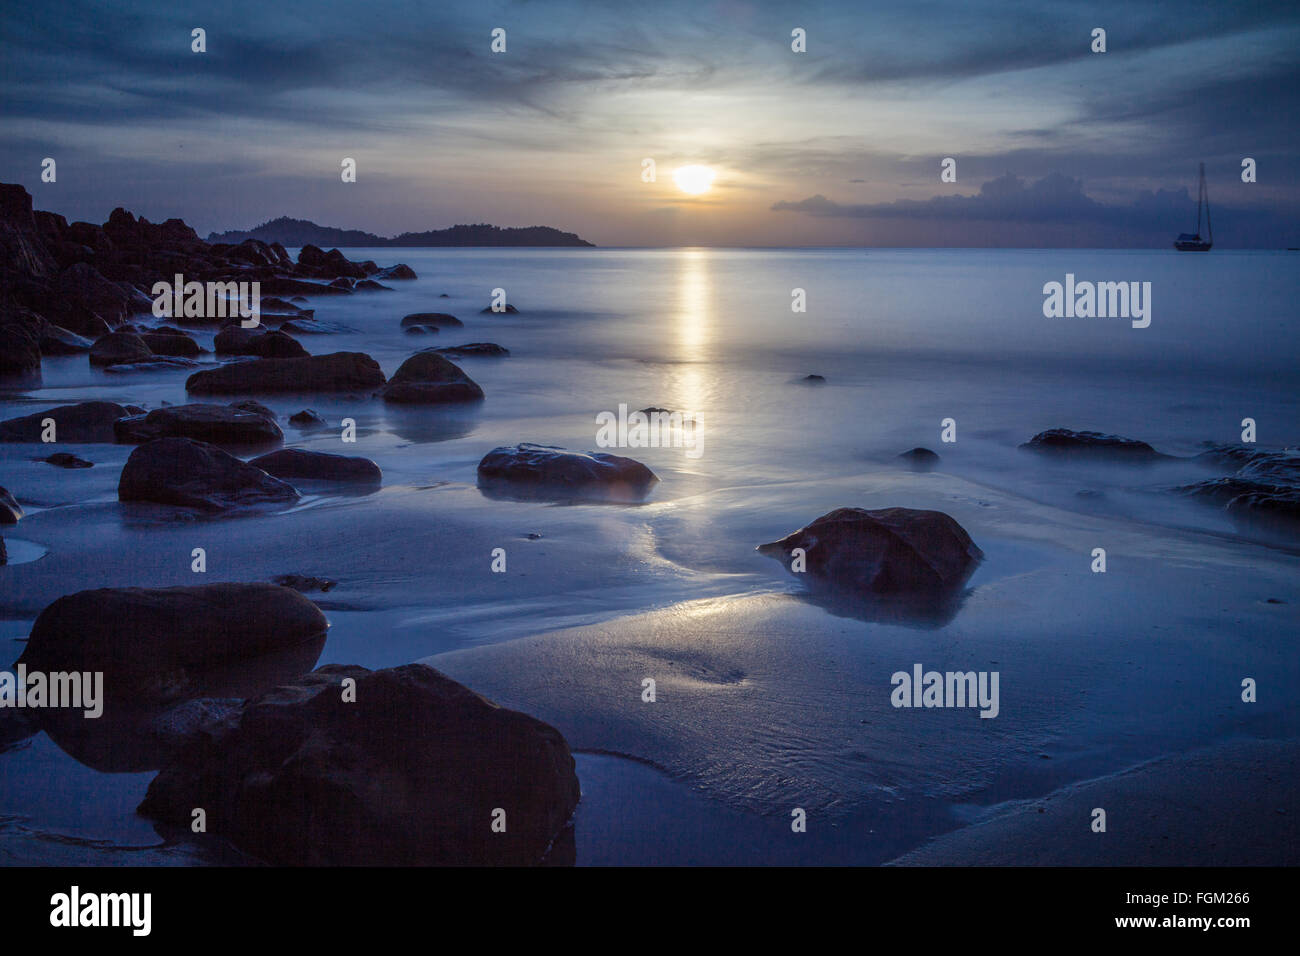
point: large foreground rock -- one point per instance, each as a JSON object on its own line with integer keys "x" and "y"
{"x": 82, "y": 423}
{"x": 543, "y": 471}
{"x": 295, "y": 463}
{"x": 219, "y": 424}
{"x": 336, "y": 372}
{"x": 1065, "y": 442}
{"x": 194, "y": 474}
{"x": 411, "y": 768}
{"x": 888, "y": 551}
{"x": 157, "y": 643}
{"x": 428, "y": 378}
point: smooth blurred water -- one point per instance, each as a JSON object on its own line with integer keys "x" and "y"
{"x": 904, "y": 339}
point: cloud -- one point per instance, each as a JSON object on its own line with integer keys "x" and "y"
{"x": 1002, "y": 204}
{"x": 1054, "y": 198}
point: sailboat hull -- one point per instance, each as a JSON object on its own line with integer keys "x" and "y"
{"x": 1197, "y": 245}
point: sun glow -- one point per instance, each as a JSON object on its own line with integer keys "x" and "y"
{"x": 693, "y": 179}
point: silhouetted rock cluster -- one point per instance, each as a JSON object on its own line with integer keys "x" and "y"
{"x": 64, "y": 284}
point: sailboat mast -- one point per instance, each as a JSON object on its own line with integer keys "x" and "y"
{"x": 1200, "y": 197}
{"x": 1206, "y": 189}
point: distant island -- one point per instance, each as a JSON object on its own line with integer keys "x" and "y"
{"x": 301, "y": 232}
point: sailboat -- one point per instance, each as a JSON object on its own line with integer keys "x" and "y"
{"x": 1192, "y": 242}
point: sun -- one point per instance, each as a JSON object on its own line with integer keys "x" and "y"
{"x": 693, "y": 179}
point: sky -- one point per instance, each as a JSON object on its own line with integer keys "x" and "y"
{"x": 1054, "y": 145}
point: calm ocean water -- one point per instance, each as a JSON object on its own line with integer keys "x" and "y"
{"x": 904, "y": 339}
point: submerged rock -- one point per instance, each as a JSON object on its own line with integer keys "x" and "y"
{"x": 473, "y": 349}
{"x": 82, "y": 423}
{"x": 194, "y": 474}
{"x": 506, "y": 309}
{"x": 219, "y": 424}
{"x": 920, "y": 459}
{"x": 410, "y": 769}
{"x": 336, "y": 372}
{"x": 887, "y": 551}
{"x": 157, "y": 642}
{"x": 1066, "y": 443}
{"x": 428, "y": 378}
{"x": 545, "y": 471}
{"x": 294, "y": 463}
{"x": 304, "y": 582}
{"x": 1264, "y": 488}
{"x": 61, "y": 459}
{"x": 437, "y": 320}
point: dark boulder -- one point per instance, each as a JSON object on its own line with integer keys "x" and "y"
{"x": 313, "y": 257}
{"x": 507, "y": 309}
{"x": 406, "y": 768}
{"x": 1064, "y": 442}
{"x": 336, "y": 372}
{"x": 399, "y": 271}
{"x": 118, "y": 348}
{"x": 295, "y": 463}
{"x": 172, "y": 342}
{"x": 194, "y": 474}
{"x": 306, "y": 419}
{"x": 157, "y": 643}
{"x": 527, "y": 470}
{"x": 426, "y": 377}
{"x": 218, "y": 424}
{"x": 887, "y": 551}
{"x": 263, "y": 343}
{"x": 83, "y": 423}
